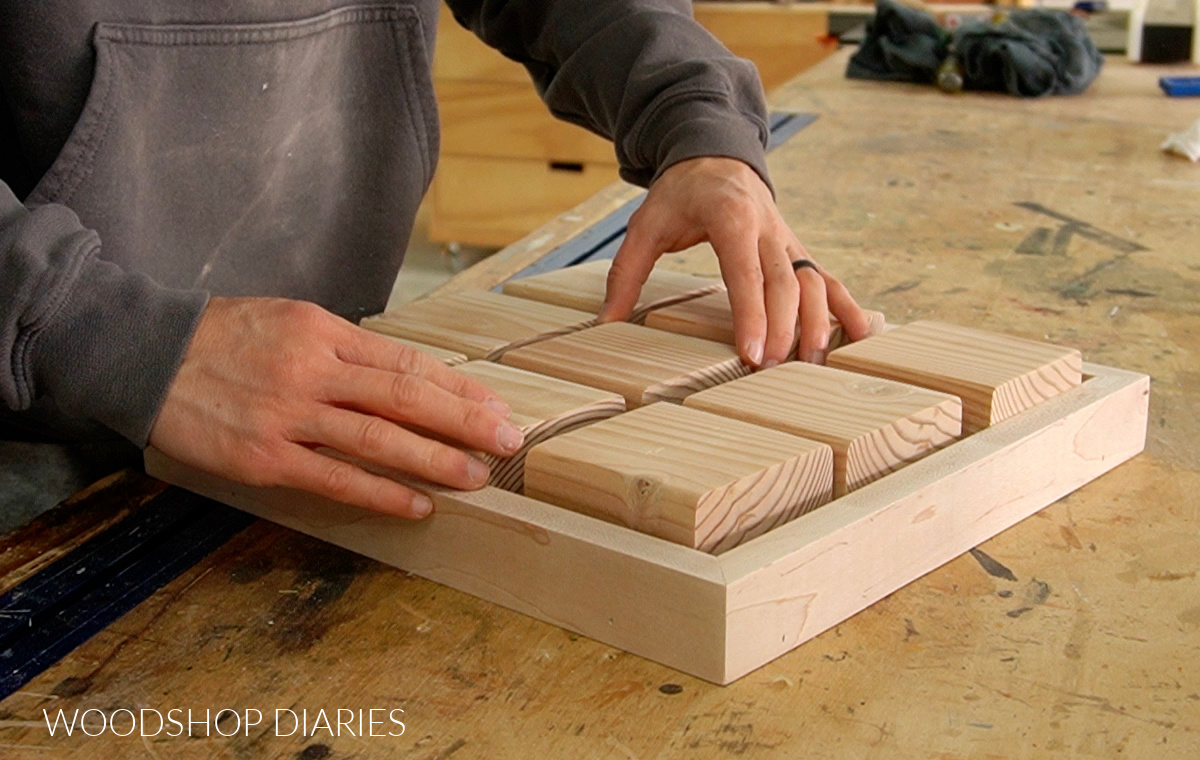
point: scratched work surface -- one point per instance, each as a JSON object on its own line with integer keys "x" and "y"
{"x": 1074, "y": 634}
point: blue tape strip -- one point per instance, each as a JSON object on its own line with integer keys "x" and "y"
{"x": 46, "y": 617}
{"x": 1178, "y": 87}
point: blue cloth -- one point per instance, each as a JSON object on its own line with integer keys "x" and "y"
{"x": 1030, "y": 53}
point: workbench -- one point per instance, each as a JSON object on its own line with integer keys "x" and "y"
{"x": 1074, "y": 634}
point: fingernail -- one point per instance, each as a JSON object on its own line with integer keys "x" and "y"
{"x": 754, "y": 351}
{"x": 477, "y": 471}
{"x": 499, "y": 407}
{"x": 768, "y": 364}
{"x": 510, "y": 438}
{"x": 815, "y": 357}
{"x": 422, "y": 505}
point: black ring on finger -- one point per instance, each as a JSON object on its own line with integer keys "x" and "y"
{"x": 799, "y": 264}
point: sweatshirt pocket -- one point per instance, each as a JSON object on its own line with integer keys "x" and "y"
{"x": 283, "y": 158}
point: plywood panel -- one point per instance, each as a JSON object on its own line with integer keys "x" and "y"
{"x": 461, "y": 55}
{"x": 689, "y": 477}
{"x": 875, "y": 426}
{"x": 503, "y": 120}
{"x": 996, "y": 376}
{"x": 781, "y": 40}
{"x": 496, "y": 201}
{"x": 711, "y": 317}
{"x": 583, "y": 287}
{"x": 478, "y": 323}
{"x": 641, "y": 364}
{"x": 542, "y": 407}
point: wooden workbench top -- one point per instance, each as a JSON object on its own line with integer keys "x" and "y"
{"x": 1074, "y": 634}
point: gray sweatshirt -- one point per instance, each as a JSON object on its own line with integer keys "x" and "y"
{"x": 153, "y": 152}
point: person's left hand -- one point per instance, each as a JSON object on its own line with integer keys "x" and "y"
{"x": 724, "y": 202}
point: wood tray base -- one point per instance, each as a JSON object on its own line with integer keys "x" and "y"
{"x": 720, "y": 617}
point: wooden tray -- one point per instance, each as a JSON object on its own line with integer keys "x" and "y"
{"x": 720, "y": 617}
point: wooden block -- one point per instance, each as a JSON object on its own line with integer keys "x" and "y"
{"x": 641, "y": 364}
{"x": 542, "y": 407}
{"x": 875, "y": 426}
{"x": 493, "y": 201}
{"x": 683, "y": 475}
{"x": 445, "y": 356}
{"x": 996, "y": 376}
{"x": 876, "y": 323}
{"x": 478, "y": 323}
{"x": 711, "y": 317}
{"x": 583, "y": 287}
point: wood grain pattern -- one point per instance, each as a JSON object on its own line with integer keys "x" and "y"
{"x": 875, "y": 426}
{"x": 477, "y": 323}
{"x": 996, "y": 376}
{"x": 689, "y": 477}
{"x": 711, "y": 317}
{"x": 583, "y": 287}
{"x": 641, "y": 364}
{"x": 542, "y": 407}
{"x": 445, "y": 356}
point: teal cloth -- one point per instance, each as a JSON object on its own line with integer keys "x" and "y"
{"x": 1031, "y": 53}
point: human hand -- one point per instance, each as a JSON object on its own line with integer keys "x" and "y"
{"x": 724, "y": 202}
{"x": 266, "y": 383}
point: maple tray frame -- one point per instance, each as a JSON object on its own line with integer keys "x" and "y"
{"x": 721, "y": 617}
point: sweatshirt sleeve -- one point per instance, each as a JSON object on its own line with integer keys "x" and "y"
{"x": 101, "y": 343}
{"x": 642, "y": 73}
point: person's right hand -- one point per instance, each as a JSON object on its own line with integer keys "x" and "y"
{"x": 266, "y": 383}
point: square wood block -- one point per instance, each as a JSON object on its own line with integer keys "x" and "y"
{"x": 686, "y": 476}
{"x": 641, "y": 364}
{"x": 449, "y": 358}
{"x": 542, "y": 407}
{"x": 583, "y": 287}
{"x": 996, "y": 376}
{"x": 711, "y": 317}
{"x": 478, "y": 323}
{"x": 874, "y": 425}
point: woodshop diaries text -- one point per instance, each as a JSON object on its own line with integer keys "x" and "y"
{"x": 149, "y": 722}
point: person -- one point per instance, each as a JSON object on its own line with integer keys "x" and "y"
{"x": 201, "y": 199}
